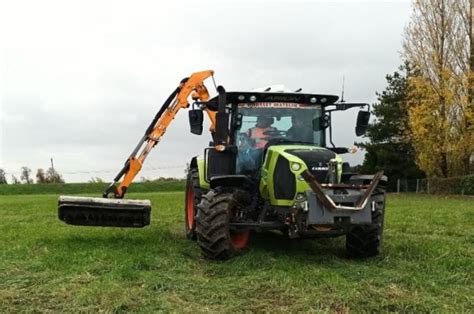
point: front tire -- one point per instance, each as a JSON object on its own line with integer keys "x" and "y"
{"x": 366, "y": 240}
{"x": 214, "y": 237}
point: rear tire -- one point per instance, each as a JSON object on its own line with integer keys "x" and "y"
{"x": 214, "y": 237}
{"x": 366, "y": 240}
{"x": 193, "y": 198}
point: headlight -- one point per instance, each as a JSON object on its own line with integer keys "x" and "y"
{"x": 300, "y": 197}
{"x": 295, "y": 166}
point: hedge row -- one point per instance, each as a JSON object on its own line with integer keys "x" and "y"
{"x": 89, "y": 188}
{"x": 455, "y": 185}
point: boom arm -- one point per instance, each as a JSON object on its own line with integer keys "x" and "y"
{"x": 177, "y": 100}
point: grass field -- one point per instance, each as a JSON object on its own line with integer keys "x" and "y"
{"x": 45, "y": 265}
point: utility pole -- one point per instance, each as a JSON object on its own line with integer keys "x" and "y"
{"x": 52, "y": 163}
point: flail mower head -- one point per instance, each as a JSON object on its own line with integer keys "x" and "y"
{"x": 106, "y": 212}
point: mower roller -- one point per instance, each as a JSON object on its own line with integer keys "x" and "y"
{"x": 268, "y": 166}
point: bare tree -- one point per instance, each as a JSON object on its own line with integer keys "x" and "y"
{"x": 437, "y": 46}
{"x": 26, "y": 175}
{"x": 471, "y": 61}
{"x": 40, "y": 176}
{"x": 15, "y": 180}
{"x": 3, "y": 177}
{"x": 52, "y": 176}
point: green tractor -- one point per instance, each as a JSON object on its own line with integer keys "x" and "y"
{"x": 270, "y": 168}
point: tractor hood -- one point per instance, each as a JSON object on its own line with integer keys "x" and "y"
{"x": 281, "y": 178}
{"x": 315, "y": 158}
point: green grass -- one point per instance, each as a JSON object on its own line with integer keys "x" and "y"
{"x": 45, "y": 265}
{"x": 82, "y": 188}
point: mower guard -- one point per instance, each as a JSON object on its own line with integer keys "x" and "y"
{"x": 106, "y": 212}
{"x": 319, "y": 214}
{"x": 354, "y": 206}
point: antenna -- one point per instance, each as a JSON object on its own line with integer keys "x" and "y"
{"x": 214, "y": 81}
{"x": 342, "y": 91}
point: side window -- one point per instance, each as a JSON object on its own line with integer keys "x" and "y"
{"x": 247, "y": 123}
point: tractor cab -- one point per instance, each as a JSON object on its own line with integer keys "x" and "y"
{"x": 268, "y": 123}
{"x": 249, "y": 123}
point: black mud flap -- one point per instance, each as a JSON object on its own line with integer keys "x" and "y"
{"x": 106, "y": 212}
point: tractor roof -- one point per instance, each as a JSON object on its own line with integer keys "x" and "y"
{"x": 294, "y": 97}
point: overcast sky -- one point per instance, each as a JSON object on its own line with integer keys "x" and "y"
{"x": 81, "y": 80}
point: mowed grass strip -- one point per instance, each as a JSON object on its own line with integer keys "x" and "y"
{"x": 45, "y": 265}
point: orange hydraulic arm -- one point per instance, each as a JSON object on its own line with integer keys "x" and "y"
{"x": 177, "y": 100}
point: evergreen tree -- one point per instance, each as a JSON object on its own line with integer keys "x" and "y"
{"x": 388, "y": 148}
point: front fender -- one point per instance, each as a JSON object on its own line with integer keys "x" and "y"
{"x": 203, "y": 184}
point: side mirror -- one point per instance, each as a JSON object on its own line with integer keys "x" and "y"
{"x": 196, "y": 118}
{"x": 362, "y": 122}
{"x": 321, "y": 122}
{"x": 221, "y": 134}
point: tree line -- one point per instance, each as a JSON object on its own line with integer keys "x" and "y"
{"x": 51, "y": 175}
{"x": 424, "y": 122}
{"x": 424, "y": 118}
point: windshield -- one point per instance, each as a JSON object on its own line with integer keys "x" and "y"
{"x": 275, "y": 123}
